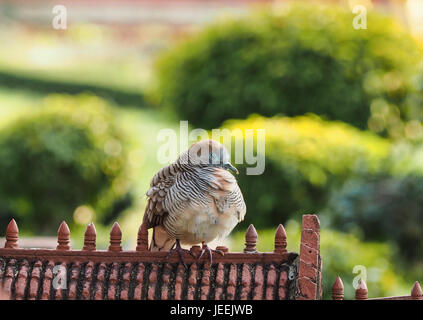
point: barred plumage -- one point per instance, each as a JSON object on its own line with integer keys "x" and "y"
{"x": 195, "y": 199}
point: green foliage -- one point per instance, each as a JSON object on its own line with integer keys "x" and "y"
{"x": 383, "y": 279}
{"x": 292, "y": 62}
{"x": 306, "y": 157}
{"x": 382, "y": 208}
{"x": 65, "y": 154}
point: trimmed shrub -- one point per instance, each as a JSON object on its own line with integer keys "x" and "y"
{"x": 382, "y": 209}
{"x": 66, "y": 154}
{"x": 292, "y": 62}
{"x": 306, "y": 157}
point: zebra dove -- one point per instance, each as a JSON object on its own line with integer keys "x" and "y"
{"x": 193, "y": 200}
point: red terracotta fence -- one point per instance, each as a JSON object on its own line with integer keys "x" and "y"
{"x": 64, "y": 273}
{"x": 361, "y": 293}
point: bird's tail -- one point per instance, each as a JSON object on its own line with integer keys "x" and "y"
{"x": 161, "y": 240}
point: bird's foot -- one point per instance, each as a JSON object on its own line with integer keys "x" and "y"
{"x": 180, "y": 252}
{"x": 210, "y": 251}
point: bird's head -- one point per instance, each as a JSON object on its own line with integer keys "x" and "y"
{"x": 210, "y": 153}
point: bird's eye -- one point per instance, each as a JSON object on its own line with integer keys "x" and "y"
{"x": 214, "y": 159}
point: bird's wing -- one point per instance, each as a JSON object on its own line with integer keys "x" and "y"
{"x": 156, "y": 210}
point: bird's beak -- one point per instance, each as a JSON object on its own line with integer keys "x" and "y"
{"x": 229, "y": 166}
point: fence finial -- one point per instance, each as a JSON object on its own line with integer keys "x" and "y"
{"x": 142, "y": 241}
{"x": 12, "y": 235}
{"x": 90, "y": 238}
{"x": 63, "y": 237}
{"x": 338, "y": 289}
{"x": 416, "y": 292}
{"x": 115, "y": 238}
{"x": 361, "y": 291}
{"x": 250, "y": 240}
{"x": 280, "y": 240}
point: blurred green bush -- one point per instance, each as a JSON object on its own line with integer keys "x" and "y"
{"x": 306, "y": 59}
{"x": 306, "y": 158}
{"x": 383, "y": 276}
{"x": 357, "y": 181}
{"x": 65, "y": 155}
{"x": 383, "y": 208}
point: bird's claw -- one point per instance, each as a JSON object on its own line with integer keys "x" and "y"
{"x": 210, "y": 252}
{"x": 180, "y": 252}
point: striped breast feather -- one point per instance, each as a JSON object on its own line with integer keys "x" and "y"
{"x": 220, "y": 179}
{"x": 224, "y": 188}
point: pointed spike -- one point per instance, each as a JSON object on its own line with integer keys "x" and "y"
{"x": 361, "y": 293}
{"x": 280, "y": 240}
{"x": 63, "y": 237}
{"x": 142, "y": 241}
{"x": 338, "y": 284}
{"x": 362, "y": 285}
{"x": 12, "y": 227}
{"x": 416, "y": 292}
{"x": 90, "y": 238}
{"x": 251, "y": 232}
{"x": 116, "y": 231}
{"x": 12, "y": 235}
{"x": 91, "y": 230}
{"x": 115, "y": 238}
{"x": 251, "y": 240}
{"x": 338, "y": 289}
{"x": 63, "y": 229}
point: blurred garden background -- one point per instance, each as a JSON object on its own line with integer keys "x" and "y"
{"x": 80, "y": 110}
